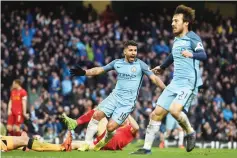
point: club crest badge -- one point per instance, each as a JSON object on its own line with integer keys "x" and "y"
{"x": 133, "y": 69}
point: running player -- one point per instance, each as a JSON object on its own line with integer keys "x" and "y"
{"x": 176, "y": 98}
{"x": 120, "y": 103}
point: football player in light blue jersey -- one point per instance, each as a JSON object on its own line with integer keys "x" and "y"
{"x": 121, "y": 101}
{"x": 186, "y": 53}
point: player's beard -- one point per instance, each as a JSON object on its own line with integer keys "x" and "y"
{"x": 131, "y": 59}
{"x": 177, "y": 33}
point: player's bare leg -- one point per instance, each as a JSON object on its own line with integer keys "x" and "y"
{"x": 17, "y": 130}
{"x": 10, "y": 130}
{"x": 181, "y": 117}
{"x": 152, "y": 129}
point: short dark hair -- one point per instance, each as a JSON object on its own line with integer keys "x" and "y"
{"x": 129, "y": 43}
{"x": 18, "y": 81}
{"x": 188, "y": 14}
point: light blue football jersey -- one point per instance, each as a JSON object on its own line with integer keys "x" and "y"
{"x": 186, "y": 70}
{"x": 129, "y": 79}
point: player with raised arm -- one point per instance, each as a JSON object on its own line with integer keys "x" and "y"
{"x": 121, "y": 101}
{"x": 187, "y": 51}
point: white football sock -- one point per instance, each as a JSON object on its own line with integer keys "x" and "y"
{"x": 91, "y": 130}
{"x": 184, "y": 123}
{"x": 181, "y": 138}
{"x": 151, "y": 131}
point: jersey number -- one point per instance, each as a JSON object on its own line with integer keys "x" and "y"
{"x": 182, "y": 95}
{"x": 123, "y": 116}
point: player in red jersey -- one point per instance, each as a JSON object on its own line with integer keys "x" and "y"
{"x": 16, "y": 108}
{"x": 123, "y": 136}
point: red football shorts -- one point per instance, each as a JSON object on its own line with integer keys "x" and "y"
{"x": 15, "y": 119}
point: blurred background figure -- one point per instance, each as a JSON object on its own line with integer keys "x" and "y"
{"x": 16, "y": 108}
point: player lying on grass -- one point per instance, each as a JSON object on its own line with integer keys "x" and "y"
{"x": 122, "y": 137}
{"x": 9, "y": 143}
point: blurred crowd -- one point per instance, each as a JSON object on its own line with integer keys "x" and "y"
{"x": 39, "y": 48}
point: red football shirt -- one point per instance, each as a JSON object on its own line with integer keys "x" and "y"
{"x": 121, "y": 138}
{"x": 16, "y": 98}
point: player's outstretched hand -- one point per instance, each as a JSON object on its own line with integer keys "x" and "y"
{"x": 78, "y": 71}
{"x": 157, "y": 70}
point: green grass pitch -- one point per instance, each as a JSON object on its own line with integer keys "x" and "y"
{"x": 156, "y": 153}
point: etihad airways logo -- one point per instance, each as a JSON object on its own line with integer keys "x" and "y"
{"x": 126, "y": 76}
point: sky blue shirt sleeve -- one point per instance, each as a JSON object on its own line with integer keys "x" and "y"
{"x": 198, "y": 49}
{"x": 196, "y": 44}
{"x": 145, "y": 69}
{"x": 109, "y": 66}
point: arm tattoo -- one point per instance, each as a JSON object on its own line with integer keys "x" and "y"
{"x": 94, "y": 71}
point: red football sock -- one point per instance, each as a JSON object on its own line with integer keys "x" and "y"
{"x": 18, "y": 133}
{"x": 86, "y": 117}
{"x": 99, "y": 138}
{"x": 10, "y": 133}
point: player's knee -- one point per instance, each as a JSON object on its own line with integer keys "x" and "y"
{"x": 175, "y": 110}
{"x": 180, "y": 129}
{"x": 9, "y": 128}
{"x": 16, "y": 128}
{"x": 175, "y": 113}
{"x": 157, "y": 115}
{"x": 98, "y": 115}
{"x": 111, "y": 127}
{"x": 154, "y": 116}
